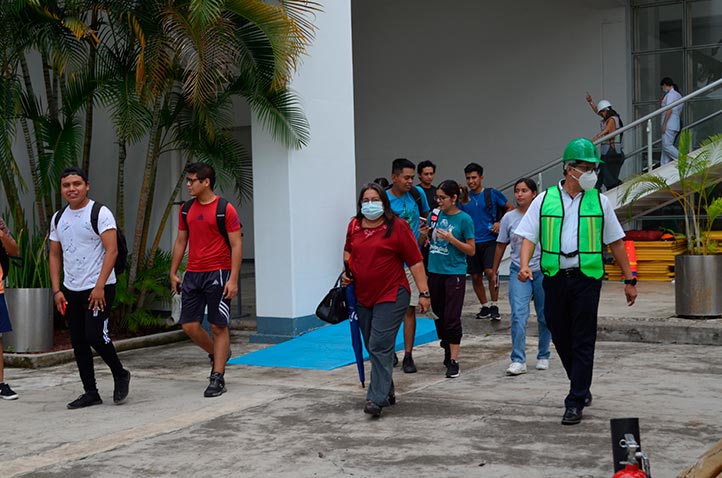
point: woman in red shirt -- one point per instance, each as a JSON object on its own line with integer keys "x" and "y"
{"x": 378, "y": 243}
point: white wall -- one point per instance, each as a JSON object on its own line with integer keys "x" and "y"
{"x": 304, "y": 199}
{"x": 462, "y": 81}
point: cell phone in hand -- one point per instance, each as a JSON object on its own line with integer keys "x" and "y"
{"x": 178, "y": 288}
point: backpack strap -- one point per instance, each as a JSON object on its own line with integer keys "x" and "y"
{"x": 221, "y": 220}
{"x": 94, "y": 213}
{"x": 184, "y": 211}
{"x": 491, "y": 206}
{"x": 417, "y": 197}
{"x": 58, "y": 214}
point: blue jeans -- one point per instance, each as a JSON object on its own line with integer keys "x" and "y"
{"x": 520, "y": 294}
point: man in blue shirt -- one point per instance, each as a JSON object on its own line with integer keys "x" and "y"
{"x": 409, "y": 202}
{"x": 486, "y": 228}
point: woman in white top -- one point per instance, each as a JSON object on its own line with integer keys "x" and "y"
{"x": 521, "y": 293}
{"x": 671, "y": 122}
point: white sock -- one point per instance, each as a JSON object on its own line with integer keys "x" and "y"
{"x": 485, "y": 304}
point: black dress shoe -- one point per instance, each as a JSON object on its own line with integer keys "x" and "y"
{"x": 572, "y": 416}
{"x": 588, "y": 400}
{"x": 372, "y": 409}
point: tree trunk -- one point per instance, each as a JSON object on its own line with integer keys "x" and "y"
{"x": 150, "y": 165}
{"x": 120, "y": 191}
{"x": 151, "y": 197}
{"x": 87, "y": 141}
{"x": 164, "y": 219}
{"x": 43, "y": 211}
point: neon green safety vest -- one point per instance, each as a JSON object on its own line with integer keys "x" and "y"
{"x": 589, "y": 241}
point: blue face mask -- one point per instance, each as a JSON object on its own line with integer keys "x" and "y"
{"x": 665, "y": 91}
{"x": 372, "y": 210}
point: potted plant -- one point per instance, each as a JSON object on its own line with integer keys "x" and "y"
{"x": 29, "y": 297}
{"x": 698, "y": 288}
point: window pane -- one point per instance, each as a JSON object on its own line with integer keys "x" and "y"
{"x": 658, "y": 27}
{"x": 696, "y": 110}
{"x": 650, "y": 69}
{"x": 706, "y": 22}
{"x": 706, "y": 66}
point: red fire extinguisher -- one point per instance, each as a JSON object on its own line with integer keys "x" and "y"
{"x": 637, "y": 463}
{"x": 630, "y": 471}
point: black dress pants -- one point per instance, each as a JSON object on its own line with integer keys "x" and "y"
{"x": 570, "y": 308}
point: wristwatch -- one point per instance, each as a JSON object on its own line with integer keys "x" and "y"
{"x": 632, "y": 281}
{"x": 425, "y": 295}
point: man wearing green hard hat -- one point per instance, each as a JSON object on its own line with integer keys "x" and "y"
{"x": 573, "y": 223}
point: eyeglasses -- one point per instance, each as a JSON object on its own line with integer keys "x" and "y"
{"x": 441, "y": 198}
{"x": 366, "y": 201}
{"x": 190, "y": 181}
{"x": 584, "y": 169}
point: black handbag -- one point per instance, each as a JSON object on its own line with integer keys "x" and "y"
{"x": 333, "y": 308}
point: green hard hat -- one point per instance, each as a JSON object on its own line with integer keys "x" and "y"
{"x": 581, "y": 149}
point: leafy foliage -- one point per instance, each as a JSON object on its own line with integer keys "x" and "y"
{"x": 696, "y": 183}
{"x": 32, "y": 270}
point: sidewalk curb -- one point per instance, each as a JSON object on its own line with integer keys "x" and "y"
{"x": 64, "y": 356}
{"x": 673, "y": 330}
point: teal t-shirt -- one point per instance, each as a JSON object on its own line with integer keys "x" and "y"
{"x": 444, "y": 258}
{"x": 407, "y": 209}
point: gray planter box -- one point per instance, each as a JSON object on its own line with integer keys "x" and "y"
{"x": 31, "y": 313}
{"x": 698, "y": 286}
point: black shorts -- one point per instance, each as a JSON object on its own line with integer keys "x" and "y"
{"x": 201, "y": 289}
{"x": 483, "y": 258}
{"x": 5, "y": 325}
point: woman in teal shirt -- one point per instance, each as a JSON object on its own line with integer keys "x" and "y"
{"x": 452, "y": 239}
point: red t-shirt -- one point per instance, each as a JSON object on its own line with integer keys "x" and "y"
{"x": 377, "y": 262}
{"x": 207, "y": 250}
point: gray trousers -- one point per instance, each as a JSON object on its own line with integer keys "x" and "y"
{"x": 379, "y": 325}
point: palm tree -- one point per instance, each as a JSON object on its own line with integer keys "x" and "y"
{"x": 197, "y": 56}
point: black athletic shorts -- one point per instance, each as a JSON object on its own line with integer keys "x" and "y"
{"x": 201, "y": 289}
{"x": 482, "y": 259}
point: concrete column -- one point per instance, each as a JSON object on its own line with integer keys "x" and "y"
{"x": 304, "y": 199}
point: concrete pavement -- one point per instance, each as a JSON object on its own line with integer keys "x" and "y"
{"x": 289, "y": 423}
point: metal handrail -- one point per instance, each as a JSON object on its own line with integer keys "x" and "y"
{"x": 633, "y": 124}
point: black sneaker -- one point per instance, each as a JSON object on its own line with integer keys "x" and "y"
{"x": 211, "y": 357}
{"x": 216, "y": 387}
{"x": 494, "y": 313}
{"x": 122, "y": 386}
{"x": 396, "y": 360}
{"x": 6, "y": 393}
{"x": 372, "y": 409}
{"x": 484, "y": 313}
{"x": 88, "y": 399}
{"x": 452, "y": 371}
{"x": 408, "y": 364}
{"x": 447, "y": 353}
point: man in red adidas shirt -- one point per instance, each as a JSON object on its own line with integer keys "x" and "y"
{"x": 211, "y": 277}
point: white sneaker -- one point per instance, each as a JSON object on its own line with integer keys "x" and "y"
{"x": 516, "y": 368}
{"x": 542, "y": 364}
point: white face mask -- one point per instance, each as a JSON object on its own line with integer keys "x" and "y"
{"x": 587, "y": 180}
{"x": 372, "y": 210}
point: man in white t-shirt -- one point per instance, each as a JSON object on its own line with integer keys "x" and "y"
{"x": 88, "y": 290}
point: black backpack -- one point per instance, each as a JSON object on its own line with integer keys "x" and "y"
{"x": 121, "y": 262}
{"x": 220, "y": 217}
{"x": 494, "y": 212}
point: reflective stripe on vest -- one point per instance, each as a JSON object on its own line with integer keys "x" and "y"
{"x": 589, "y": 240}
